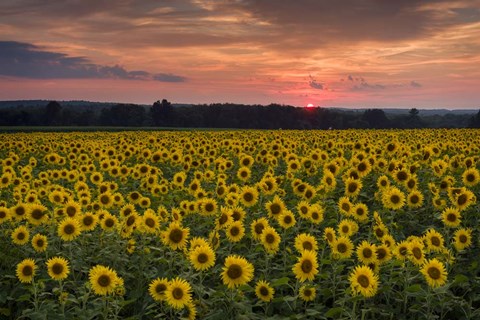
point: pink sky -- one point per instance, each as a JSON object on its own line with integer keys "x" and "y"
{"x": 352, "y": 53}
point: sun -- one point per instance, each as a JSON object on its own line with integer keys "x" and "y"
{"x": 310, "y": 105}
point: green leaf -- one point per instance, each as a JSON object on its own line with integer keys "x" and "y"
{"x": 280, "y": 282}
{"x": 460, "y": 278}
{"x": 414, "y": 288}
{"x": 333, "y": 312}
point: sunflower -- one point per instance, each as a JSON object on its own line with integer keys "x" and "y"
{"x": 352, "y": 187}
{"x": 360, "y": 212}
{"x": 275, "y": 207}
{"x": 236, "y": 271}
{"x": 366, "y": 253}
{"x": 393, "y": 198}
{"x": 88, "y": 221}
{"x": 383, "y": 253}
{"x": 287, "y": 220}
{"x": 329, "y": 235}
{"x": 463, "y": 199}
{"x": 178, "y": 293}
{"x": 307, "y": 266}
{"x": 416, "y": 253}
{"x": 37, "y": 214}
{"x": 347, "y": 228}
{"x": 305, "y": 241}
{"x": 19, "y": 212}
{"x": 105, "y": 200}
{"x": 249, "y": 196}
{"x": 383, "y": 182}
{"x": 208, "y": 207}
{"x": 157, "y": 289}
{"x": 20, "y": 235}
{"x": 68, "y": 229}
{"x": 72, "y": 209}
{"x": 401, "y": 250}
{"x": 451, "y": 217}
{"x": 363, "y": 281}
{"x": 39, "y": 242}
{"x": 257, "y": 227}
{"x": 109, "y": 222}
{"x": 214, "y": 239}
{"x": 268, "y": 185}
{"x": 471, "y": 177}
{"x": 315, "y": 213}
{"x": 202, "y": 257}
{"x": 345, "y": 206}
{"x": 302, "y": 208}
{"x": 103, "y": 280}
{"x": 151, "y": 222}
{"x": 307, "y": 293}
{"x": 58, "y": 268}
{"x": 4, "y": 214}
{"x": 414, "y": 199}
{"x": 342, "y": 248}
{"x": 434, "y": 272}
{"x": 235, "y": 231}
{"x": 462, "y": 239}
{"x": 175, "y": 236}
{"x": 264, "y": 291}
{"x": 26, "y": 270}
{"x": 244, "y": 173}
{"x": 270, "y": 239}
{"x": 434, "y": 240}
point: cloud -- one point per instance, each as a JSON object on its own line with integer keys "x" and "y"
{"x": 26, "y": 60}
{"x": 415, "y": 84}
{"x": 315, "y": 85}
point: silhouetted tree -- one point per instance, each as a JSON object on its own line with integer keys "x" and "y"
{"x": 161, "y": 113}
{"x": 376, "y": 119}
{"x": 475, "y": 121}
{"x": 52, "y": 113}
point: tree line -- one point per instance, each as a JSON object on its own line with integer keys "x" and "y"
{"x": 226, "y": 115}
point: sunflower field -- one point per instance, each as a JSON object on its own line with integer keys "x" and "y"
{"x": 379, "y": 224}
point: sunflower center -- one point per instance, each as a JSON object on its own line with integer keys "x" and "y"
{"x": 130, "y": 221}
{"x": 202, "y": 258}
{"x": 234, "y": 231}
{"x": 57, "y": 268}
{"x": 177, "y": 293}
{"x": 414, "y": 199}
{"x": 40, "y": 243}
{"x": 362, "y": 167}
{"x": 402, "y": 251}
{"x": 160, "y": 288}
{"x": 104, "y": 280}
{"x": 329, "y": 237}
{"x": 435, "y": 241}
{"x": 379, "y": 233}
{"x": 462, "y": 199}
{"x": 345, "y": 229}
{"x": 315, "y": 215}
{"x": 27, "y": 271}
{"x": 402, "y": 176}
{"x": 381, "y": 253}
{"x": 307, "y": 245}
{"x": 363, "y": 280}
{"x": 463, "y": 238}
{"x": 21, "y": 236}
{"x": 209, "y": 207}
{"x": 150, "y": 222}
{"x": 345, "y": 207}
{"x": 342, "y": 247}
{"x": 434, "y": 273}
{"x": 307, "y": 292}
{"x": 304, "y": 210}
{"x": 248, "y": 196}
{"x": 470, "y": 177}
{"x": 88, "y": 220}
{"x": 352, "y": 187}
{"x": 109, "y": 223}
{"x": 105, "y": 199}
{"x": 367, "y": 253}
{"x": 69, "y": 229}
{"x": 234, "y": 271}
{"x": 176, "y": 235}
{"x": 270, "y": 238}
{"x": 71, "y": 211}
{"x": 417, "y": 253}
{"x": 287, "y": 219}
{"x": 360, "y": 212}
{"x": 263, "y": 291}
{"x": 37, "y": 214}
{"x": 452, "y": 217}
{"x": 3, "y": 214}
{"x": 395, "y": 199}
{"x": 275, "y": 208}
{"x": 307, "y": 266}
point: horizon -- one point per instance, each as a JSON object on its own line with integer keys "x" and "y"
{"x": 386, "y": 55}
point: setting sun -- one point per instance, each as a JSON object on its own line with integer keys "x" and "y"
{"x": 310, "y": 105}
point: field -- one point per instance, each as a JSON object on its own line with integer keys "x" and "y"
{"x": 240, "y": 224}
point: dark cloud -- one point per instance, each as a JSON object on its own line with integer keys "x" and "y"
{"x": 26, "y": 60}
{"x": 415, "y": 84}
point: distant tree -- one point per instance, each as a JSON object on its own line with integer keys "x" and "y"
{"x": 475, "y": 121}
{"x": 376, "y": 119}
{"x": 52, "y": 113}
{"x": 161, "y": 113}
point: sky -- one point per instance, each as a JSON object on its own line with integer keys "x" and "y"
{"x": 346, "y": 53}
